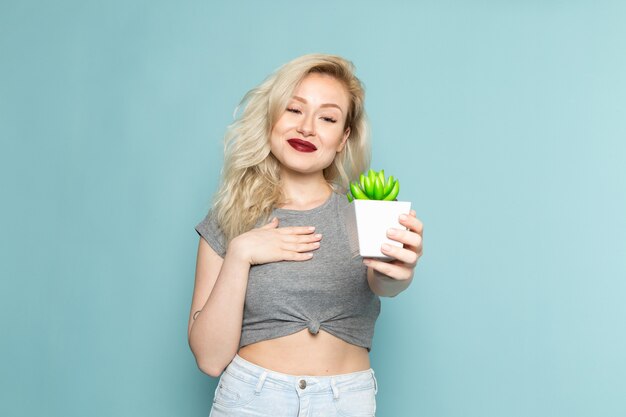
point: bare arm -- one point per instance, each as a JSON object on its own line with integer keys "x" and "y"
{"x": 220, "y": 288}
{"x": 219, "y": 293}
{"x": 385, "y": 286}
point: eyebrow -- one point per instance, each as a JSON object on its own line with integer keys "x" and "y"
{"x": 323, "y": 105}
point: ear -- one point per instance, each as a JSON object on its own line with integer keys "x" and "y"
{"x": 343, "y": 141}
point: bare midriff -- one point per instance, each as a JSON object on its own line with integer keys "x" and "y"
{"x": 303, "y": 353}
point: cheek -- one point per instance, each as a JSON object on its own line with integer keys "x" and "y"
{"x": 335, "y": 142}
{"x": 285, "y": 121}
{"x": 274, "y": 143}
{"x": 277, "y": 132}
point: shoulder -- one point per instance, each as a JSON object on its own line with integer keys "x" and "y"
{"x": 210, "y": 230}
{"x": 340, "y": 199}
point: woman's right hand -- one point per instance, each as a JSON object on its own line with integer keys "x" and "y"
{"x": 271, "y": 243}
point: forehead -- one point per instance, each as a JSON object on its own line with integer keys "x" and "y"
{"x": 319, "y": 89}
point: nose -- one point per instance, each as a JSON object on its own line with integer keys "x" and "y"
{"x": 306, "y": 127}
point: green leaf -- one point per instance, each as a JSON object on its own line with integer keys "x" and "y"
{"x": 388, "y": 186}
{"x": 369, "y": 187}
{"x": 371, "y": 174}
{"x": 394, "y": 191}
{"x": 381, "y": 176}
{"x": 378, "y": 189}
{"x": 357, "y": 192}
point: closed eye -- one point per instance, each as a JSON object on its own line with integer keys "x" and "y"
{"x": 328, "y": 119}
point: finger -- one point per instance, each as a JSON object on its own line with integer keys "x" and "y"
{"x": 412, "y": 223}
{"x": 302, "y": 238}
{"x": 406, "y": 237}
{"x": 407, "y": 256}
{"x": 302, "y": 247}
{"x": 297, "y": 230}
{"x": 392, "y": 270}
{"x": 271, "y": 225}
{"x": 296, "y": 256}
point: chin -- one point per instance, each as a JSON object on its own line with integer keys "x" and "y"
{"x": 301, "y": 163}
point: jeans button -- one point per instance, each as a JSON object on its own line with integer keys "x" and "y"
{"x": 302, "y": 384}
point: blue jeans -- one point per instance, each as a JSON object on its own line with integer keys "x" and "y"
{"x": 246, "y": 389}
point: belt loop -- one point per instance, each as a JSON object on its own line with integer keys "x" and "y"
{"x": 334, "y": 387}
{"x": 375, "y": 383}
{"x": 260, "y": 384}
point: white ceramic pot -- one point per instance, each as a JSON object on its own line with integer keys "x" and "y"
{"x": 367, "y": 222}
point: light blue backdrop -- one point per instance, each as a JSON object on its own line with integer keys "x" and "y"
{"x": 506, "y": 121}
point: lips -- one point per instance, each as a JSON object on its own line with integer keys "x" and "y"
{"x": 301, "y": 145}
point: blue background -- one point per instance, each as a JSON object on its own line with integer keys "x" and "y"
{"x": 505, "y": 121}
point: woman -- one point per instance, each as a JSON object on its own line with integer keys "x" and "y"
{"x": 280, "y": 309}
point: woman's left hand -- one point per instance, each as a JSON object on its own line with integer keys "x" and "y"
{"x": 406, "y": 257}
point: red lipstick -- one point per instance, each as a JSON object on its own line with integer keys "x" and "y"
{"x": 301, "y": 145}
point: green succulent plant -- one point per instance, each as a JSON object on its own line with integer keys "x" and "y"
{"x": 373, "y": 186}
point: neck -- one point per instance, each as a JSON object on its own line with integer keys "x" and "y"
{"x": 304, "y": 191}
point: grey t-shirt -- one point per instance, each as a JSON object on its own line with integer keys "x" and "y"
{"x": 328, "y": 291}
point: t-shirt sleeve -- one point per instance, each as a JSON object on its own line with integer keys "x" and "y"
{"x": 211, "y": 232}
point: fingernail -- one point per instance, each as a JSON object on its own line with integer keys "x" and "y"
{"x": 403, "y": 217}
{"x": 366, "y": 261}
{"x": 386, "y": 247}
{"x": 318, "y": 236}
{"x": 311, "y": 228}
{"x": 392, "y": 232}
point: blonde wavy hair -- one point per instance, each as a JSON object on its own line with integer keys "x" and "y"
{"x": 250, "y": 185}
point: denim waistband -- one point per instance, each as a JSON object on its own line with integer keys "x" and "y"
{"x": 265, "y": 378}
